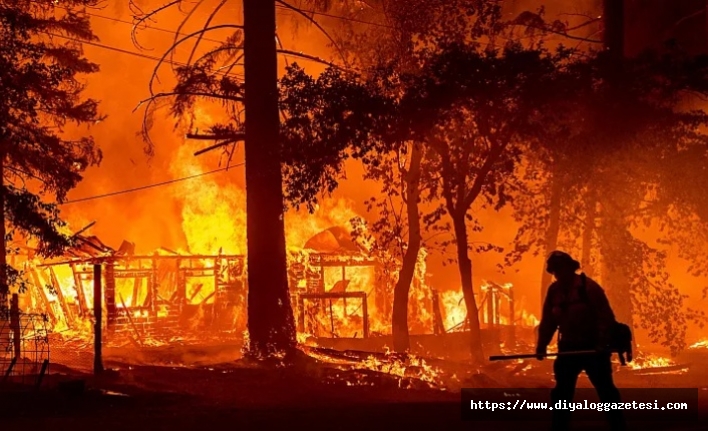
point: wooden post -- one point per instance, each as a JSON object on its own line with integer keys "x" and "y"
{"x": 490, "y": 306}
{"x": 438, "y": 325}
{"x": 512, "y": 317}
{"x": 344, "y": 280}
{"x": 153, "y": 287}
{"x": 219, "y": 309}
{"x": 110, "y": 294}
{"x": 15, "y": 325}
{"x": 365, "y": 314}
{"x": 80, "y": 294}
{"x": 301, "y": 314}
{"x": 98, "y": 317}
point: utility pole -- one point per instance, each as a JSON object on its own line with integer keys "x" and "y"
{"x": 271, "y": 324}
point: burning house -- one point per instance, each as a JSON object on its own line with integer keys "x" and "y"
{"x": 339, "y": 291}
{"x": 144, "y": 295}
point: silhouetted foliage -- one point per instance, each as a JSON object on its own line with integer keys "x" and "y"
{"x": 626, "y": 151}
{"x": 41, "y": 94}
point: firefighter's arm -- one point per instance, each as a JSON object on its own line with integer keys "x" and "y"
{"x": 604, "y": 313}
{"x": 547, "y": 327}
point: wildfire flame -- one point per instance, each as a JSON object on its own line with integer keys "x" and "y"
{"x": 455, "y": 311}
{"x": 703, "y": 344}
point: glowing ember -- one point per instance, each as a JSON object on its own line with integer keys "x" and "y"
{"x": 649, "y": 362}
{"x": 413, "y": 367}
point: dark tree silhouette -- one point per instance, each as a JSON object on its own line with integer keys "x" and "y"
{"x": 469, "y": 142}
{"x": 480, "y": 123}
{"x": 619, "y": 177}
{"x": 39, "y": 62}
{"x": 212, "y": 74}
{"x": 398, "y": 225}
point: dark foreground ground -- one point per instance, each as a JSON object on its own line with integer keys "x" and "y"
{"x": 248, "y": 398}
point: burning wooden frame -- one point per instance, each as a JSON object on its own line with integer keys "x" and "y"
{"x": 144, "y": 294}
{"x": 337, "y": 291}
{"x": 305, "y": 325}
{"x": 326, "y": 302}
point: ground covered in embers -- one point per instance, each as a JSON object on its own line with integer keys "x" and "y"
{"x": 206, "y": 394}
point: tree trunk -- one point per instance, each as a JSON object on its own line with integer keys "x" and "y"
{"x": 4, "y": 287}
{"x": 552, "y": 229}
{"x": 271, "y": 325}
{"x": 401, "y": 338}
{"x": 465, "y": 266}
{"x": 616, "y": 261}
{"x": 613, "y": 21}
{"x": 588, "y": 232}
{"x": 615, "y": 235}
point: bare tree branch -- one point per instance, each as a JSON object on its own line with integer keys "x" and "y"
{"x": 316, "y": 24}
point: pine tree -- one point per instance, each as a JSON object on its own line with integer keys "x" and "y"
{"x": 40, "y": 59}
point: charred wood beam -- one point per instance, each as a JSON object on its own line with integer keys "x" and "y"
{"x": 91, "y": 244}
{"x": 208, "y": 297}
{"x": 217, "y": 137}
{"x": 213, "y": 147}
{"x": 60, "y": 297}
{"x": 127, "y": 310}
{"x": 42, "y": 295}
{"x": 84, "y": 229}
{"x": 113, "y": 259}
{"x": 80, "y": 294}
{"x": 226, "y": 138}
{"x": 195, "y": 292}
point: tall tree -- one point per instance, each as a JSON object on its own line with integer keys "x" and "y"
{"x": 208, "y": 76}
{"x": 480, "y": 125}
{"x": 271, "y": 324}
{"x": 40, "y": 62}
{"x": 398, "y": 225}
{"x": 409, "y": 187}
{"x": 409, "y": 31}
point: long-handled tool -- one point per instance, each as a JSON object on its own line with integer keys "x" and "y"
{"x": 546, "y": 355}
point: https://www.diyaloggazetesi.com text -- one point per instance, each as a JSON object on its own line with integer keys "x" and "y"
{"x": 572, "y": 406}
{"x": 650, "y": 404}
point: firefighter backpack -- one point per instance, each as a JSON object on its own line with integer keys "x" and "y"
{"x": 620, "y": 333}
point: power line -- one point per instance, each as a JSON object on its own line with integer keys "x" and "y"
{"x": 164, "y": 30}
{"x": 329, "y": 15}
{"x": 113, "y": 48}
{"x": 150, "y": 186}
{"x": 116, "y": 49}
{"x": 344, "y": 18}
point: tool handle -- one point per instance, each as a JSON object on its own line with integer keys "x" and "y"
{"x": 547, "y": 355}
